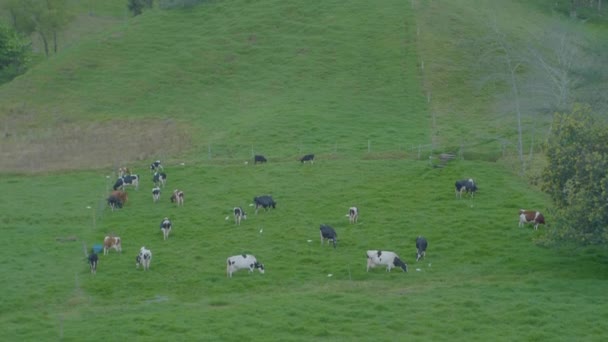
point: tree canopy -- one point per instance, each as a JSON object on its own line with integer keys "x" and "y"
{"x": 14, "y": 54}
{"x": 576, "y": 177}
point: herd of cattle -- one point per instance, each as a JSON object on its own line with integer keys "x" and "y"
{"x": 118, "y": 197}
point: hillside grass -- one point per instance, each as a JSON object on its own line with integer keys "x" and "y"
{"x": 483, "y": 277}
{"x": 210, "y": 86}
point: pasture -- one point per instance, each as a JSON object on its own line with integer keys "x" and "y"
{"x": 483, "y": 277}
{"x": 205, "y": 88}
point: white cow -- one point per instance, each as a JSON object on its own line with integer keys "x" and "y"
{"x": 166, "y": 227}
{"x": 389, "y": 259}
{"x": 111, "y": 242}
{"x": 353, "y": 214}
{"x": 245, "y": 261}
{"x": 143, "y": 258}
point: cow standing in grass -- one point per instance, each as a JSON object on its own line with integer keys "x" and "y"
{"x": 353, "y": 214}
{"x": 264, "y": 201}
{"x": 114, "y": 202}
{"x": 465, "y": 186}
{"x": 421, "y": 245}
{"x": 259, "y": 159}
{"x": 156, "y": 166}
{"x": 166, "y": 227}
{"x": 384, "y": 258}
{"x": 531, "y": 216}
{"x": 177, "y": 197}
{"x": 93, "y": 259}
{"x": 112, "y": 242}
{"x": 144, "y": 258}
{"x": 308, "y": 158}
{"x": 240, "y": 262}
{"x": 156, "y": 194}
{"x": 159, "y": 179}
{"x": 239, "y": 214}
{"x": 329, "y": 234}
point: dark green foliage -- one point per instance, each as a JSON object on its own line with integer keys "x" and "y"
{"x": 576, "y": 177}
{"x": 14, "y": 54}
{"x": 137, "y": 6}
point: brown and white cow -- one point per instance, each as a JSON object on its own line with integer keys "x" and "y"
{"x": 177, "y": 197}
{"x": 531, "y": 216}
{"x": 111, "y": 242}
{"x": 121, "y": 195}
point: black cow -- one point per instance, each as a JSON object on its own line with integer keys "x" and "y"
{"x": 156, "y": 166}
{"x": 159, "y": 178}
{"x": 264, "y": 201}
{"x": 329, "y": 234}
{"x": 114, "y": 202}
{"x": 421, "y": 245}
{"x": 259, "y": 159}
{"x": 466, "y": 186}
{"x": 308, "y": 157}
{"x": 93, "y": 258}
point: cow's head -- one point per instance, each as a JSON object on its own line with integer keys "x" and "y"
{"x": 259, "y": 266}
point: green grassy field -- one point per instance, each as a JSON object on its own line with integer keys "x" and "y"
{"x": 203, "y": 89}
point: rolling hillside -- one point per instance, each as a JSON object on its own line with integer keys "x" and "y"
{"x": 373, "y": 88}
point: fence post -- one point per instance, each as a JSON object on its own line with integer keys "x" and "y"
{"x": 419, "y": 148}
{"x": 209, "y": 151}
{"x": 369, "y": 146}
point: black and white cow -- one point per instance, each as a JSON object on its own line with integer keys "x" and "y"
{"x": 155, "y": 194}
{"x": 93, "y": 259}
{"x": 353, "y": 214}
{"x": 156, "y": 166}
{"x": 240, "y": 262}
{"x": 329, "y": 234}
{"x": 465, "y": 186}
{"x": 126, "y": 180}
{"x": 166, "y": 227}
{"x": 264, "y": 201}
{"x": 239, "y": 214}
{"x": 144, "y": 258}
{"x": 308, "y": 157}
{"x": 159, "y": 178}
{"x": 258, "y": 158}
{"x": 531, "y": 216}
{"x": 386, "y": 258}
{"x": 421, "y": 245}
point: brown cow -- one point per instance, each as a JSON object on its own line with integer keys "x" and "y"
{"x": 110, "y": 242}
{"x": 531, "y": 216}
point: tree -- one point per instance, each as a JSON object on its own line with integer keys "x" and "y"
{"x": 137, "y": 6}
{"x": 14, "y": 54}
{"x": 45, "y": 17}
{"x": 576, "y": 177}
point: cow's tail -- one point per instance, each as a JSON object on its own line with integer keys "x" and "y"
{"x": 398, "y": 262}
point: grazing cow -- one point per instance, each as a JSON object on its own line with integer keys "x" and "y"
{"x": 143, "y": 258}
{"x": 155, "y": 194}
{"x": 308, "y": 157}
{"x": 121, "y": 195}
{"x": 166, "y": 226}
{"x": 114, "y": 202}
{"x": 159, "y": 178}
{"x": 421, "y": 245}
{"x": 156, "y": 166}
{"x": 126, "y": 180}
{"x": 245, "y": 261}
{"x": 390, "y": 259}
{"x": 112, "y": 242}
{"x": 238, "y": 215}
{"x": 531, "y": 216}
{"x": 93, "y": 258}
{"x": 329, "y": 234}
{"x": 353, "y": 214}
{"x": 466, "y": 186}
{"x": 177, "y": 197}
{"x": 259, "y": 159}
{"x": 264, "y": 201}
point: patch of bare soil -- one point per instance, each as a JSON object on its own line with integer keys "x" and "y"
{"x": 93, "y": 145}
